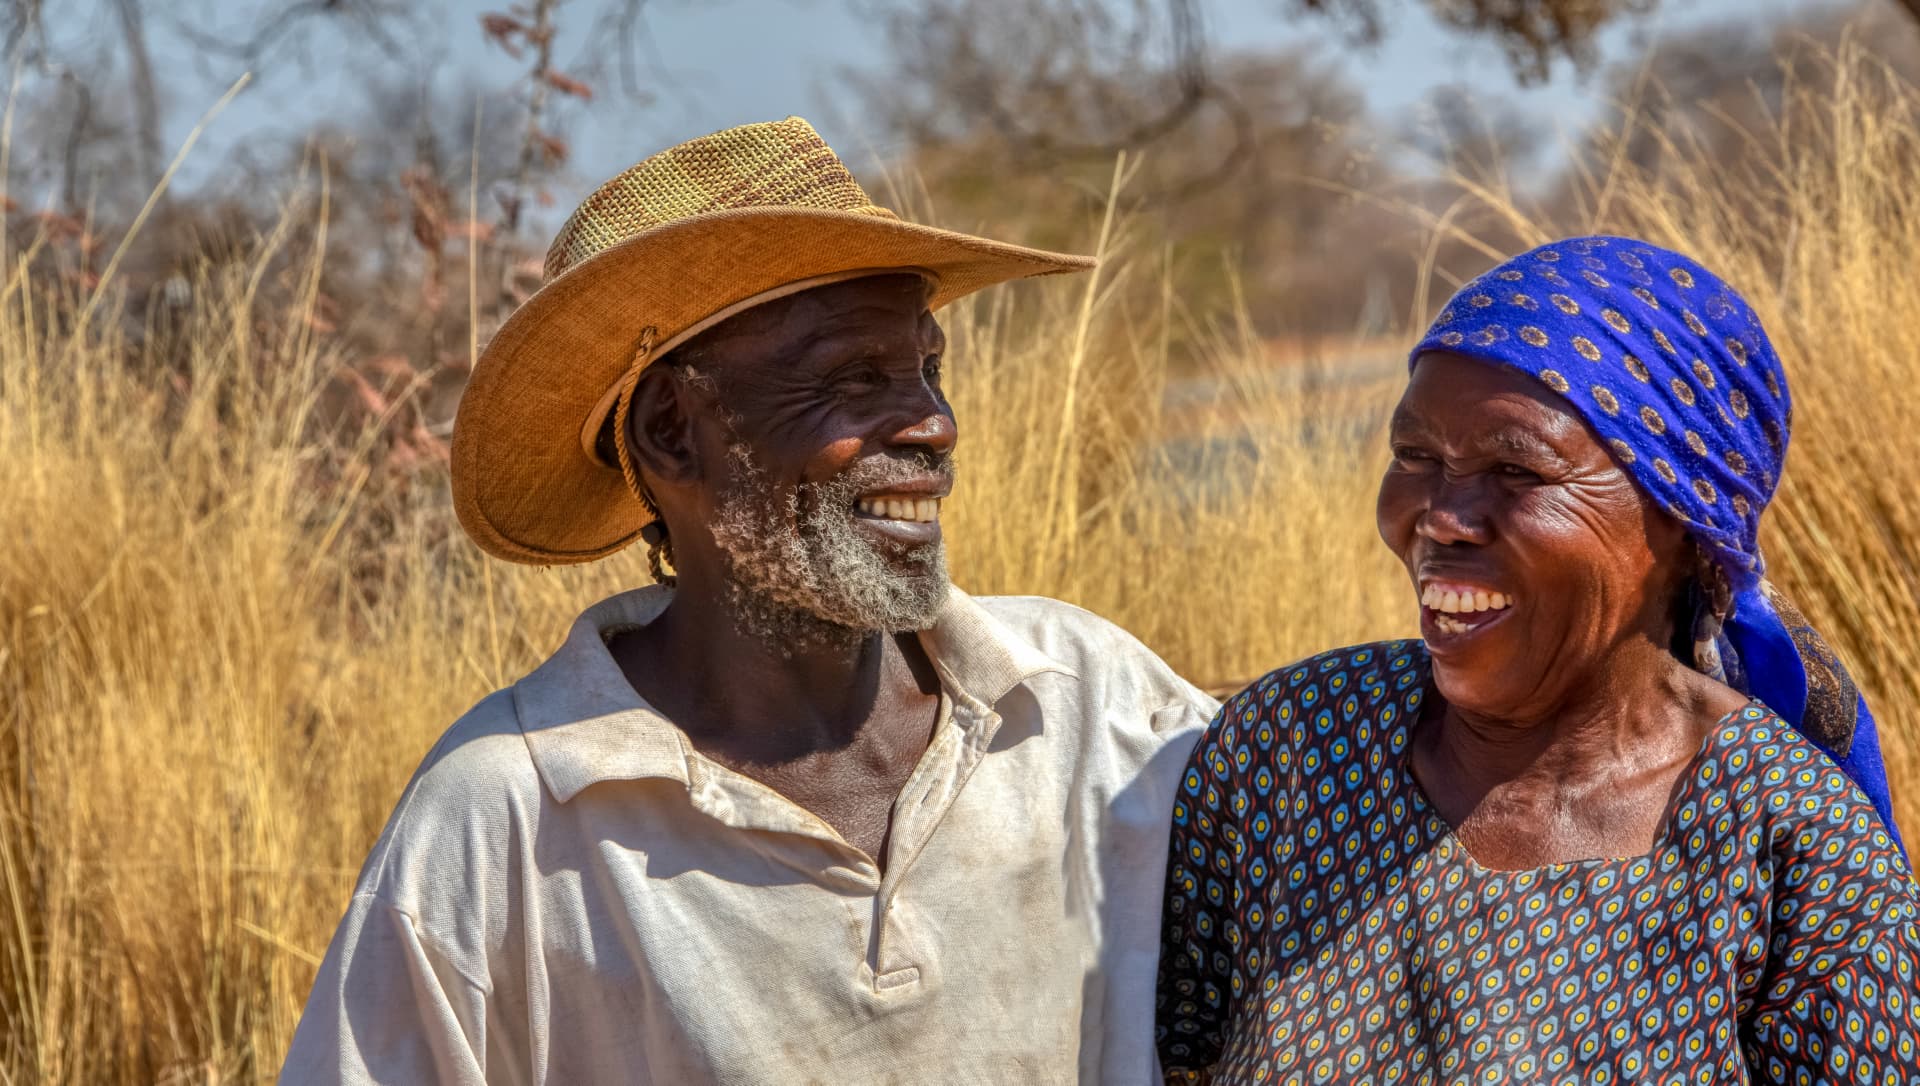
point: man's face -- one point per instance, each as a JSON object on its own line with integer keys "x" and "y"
{"x": 826, "y": 447}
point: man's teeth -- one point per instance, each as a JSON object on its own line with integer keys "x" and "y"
{"x": 1456, "y": 601}
{"x": 916, "y": 509}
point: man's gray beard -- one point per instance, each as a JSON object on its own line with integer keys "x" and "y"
{"x": 801, "y": 574}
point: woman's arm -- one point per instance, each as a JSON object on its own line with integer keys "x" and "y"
{"x": 1840, "y": 998}
{"x": 1202, "y": 944}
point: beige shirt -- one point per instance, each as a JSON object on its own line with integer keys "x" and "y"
{"x": 569, "y": 893}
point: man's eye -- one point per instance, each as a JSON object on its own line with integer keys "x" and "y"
{"x": 861, "y": 376}
{"x": 930, "y": 369}
{"x": 1411, "y": 456}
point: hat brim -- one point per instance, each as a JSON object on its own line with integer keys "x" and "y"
{"x": 523, "y": 487}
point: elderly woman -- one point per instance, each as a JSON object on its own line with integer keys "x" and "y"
{"x": 1619, "y": 816}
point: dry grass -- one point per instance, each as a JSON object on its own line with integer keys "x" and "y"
{"x": 224, "y": 641}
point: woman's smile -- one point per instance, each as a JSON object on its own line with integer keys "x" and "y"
{"x": 1452, "y": 611}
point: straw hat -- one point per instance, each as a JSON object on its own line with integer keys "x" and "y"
{"x": 678, "y": 243}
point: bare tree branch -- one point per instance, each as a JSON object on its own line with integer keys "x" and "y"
{"x": 367, "y": 16}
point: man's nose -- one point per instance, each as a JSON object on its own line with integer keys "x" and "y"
{"x": 931, "y": 427}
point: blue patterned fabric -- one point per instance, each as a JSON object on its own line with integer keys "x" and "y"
{"x": 1324, "y": 924}
{"x": 1671, "y": 368}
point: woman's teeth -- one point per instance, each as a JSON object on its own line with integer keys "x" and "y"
{"x": 1457, "y": 601}
{"x": 923, "y": 510}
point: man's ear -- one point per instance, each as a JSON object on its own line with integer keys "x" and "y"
{"x": 660, "y": 429}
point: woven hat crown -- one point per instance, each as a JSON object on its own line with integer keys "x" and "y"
{"x": 775, "y": 164}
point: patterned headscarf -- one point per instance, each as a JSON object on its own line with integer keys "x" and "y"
{"x": 1670, "y": 367}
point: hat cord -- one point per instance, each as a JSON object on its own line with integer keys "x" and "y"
{"x": 654, "y": 532}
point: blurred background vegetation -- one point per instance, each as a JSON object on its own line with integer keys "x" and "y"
{"x": 235, "y": 609}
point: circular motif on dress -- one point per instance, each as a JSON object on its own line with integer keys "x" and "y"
{"x": 1585, "y": 349}
{"x": 1553, "y": 380}
{"x": 1652, "y": 420}
{"x": 1565, "y": 304}
{"x": 1533, "y": 337}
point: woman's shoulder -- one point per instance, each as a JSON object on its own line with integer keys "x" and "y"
{"x": 1344, "y": 681}
{"x": 1798, "y": 804}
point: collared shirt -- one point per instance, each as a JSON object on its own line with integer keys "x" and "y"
{"x": 568, "y": 892}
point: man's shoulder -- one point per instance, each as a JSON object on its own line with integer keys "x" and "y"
{"x": 1098, "y": 652}
{"x": 475, "y": 784}
{"x": 1066, "y": 632}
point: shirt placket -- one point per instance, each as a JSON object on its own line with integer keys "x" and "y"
{"x": 924, "y": 801}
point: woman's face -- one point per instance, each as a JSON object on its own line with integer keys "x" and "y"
{"x": 1534, "y": 557}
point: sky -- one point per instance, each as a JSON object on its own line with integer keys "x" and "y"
{"x": 718, "y": 63}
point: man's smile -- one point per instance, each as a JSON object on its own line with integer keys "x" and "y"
{"x": 910, "y": 517}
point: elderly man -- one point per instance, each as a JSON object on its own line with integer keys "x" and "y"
{"x": 803, "y": 812}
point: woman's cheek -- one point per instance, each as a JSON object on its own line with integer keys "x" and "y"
{"x": 1396, "y": 510}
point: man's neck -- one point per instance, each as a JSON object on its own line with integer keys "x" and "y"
{"x": 750, "y": 694}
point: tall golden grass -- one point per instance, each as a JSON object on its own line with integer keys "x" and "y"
{"x": 223, "y": 646}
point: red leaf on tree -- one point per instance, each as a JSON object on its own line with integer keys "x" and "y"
{"x": 501, "y": 30}
{"x": 566, "y": 84}
{"x": 553, "y": 148}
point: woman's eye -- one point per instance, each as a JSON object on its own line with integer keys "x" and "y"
{"x": 930, "y": 370}
{"x": 1516, "y": 471}
{"x": 1412, "y": 457}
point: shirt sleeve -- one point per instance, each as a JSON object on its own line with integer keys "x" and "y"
{"x": 388, "y": 1007}
{"x": 1200, "y": 930}
{"x": 1840, "y": 1001}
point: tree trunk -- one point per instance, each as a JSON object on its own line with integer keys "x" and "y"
{"x": 146, "y": 94}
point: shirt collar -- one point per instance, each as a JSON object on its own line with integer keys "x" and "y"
{"x": 584, "y": 723}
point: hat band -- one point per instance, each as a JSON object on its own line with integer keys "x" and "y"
{"x": 597, "y": 418}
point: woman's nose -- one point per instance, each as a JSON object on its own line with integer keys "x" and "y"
{"x": 1454, "y": 515}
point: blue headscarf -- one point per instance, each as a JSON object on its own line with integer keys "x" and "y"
{"x": 1670, "y": 367}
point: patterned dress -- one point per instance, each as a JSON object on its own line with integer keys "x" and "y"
{"x": 1323, "y": 924}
